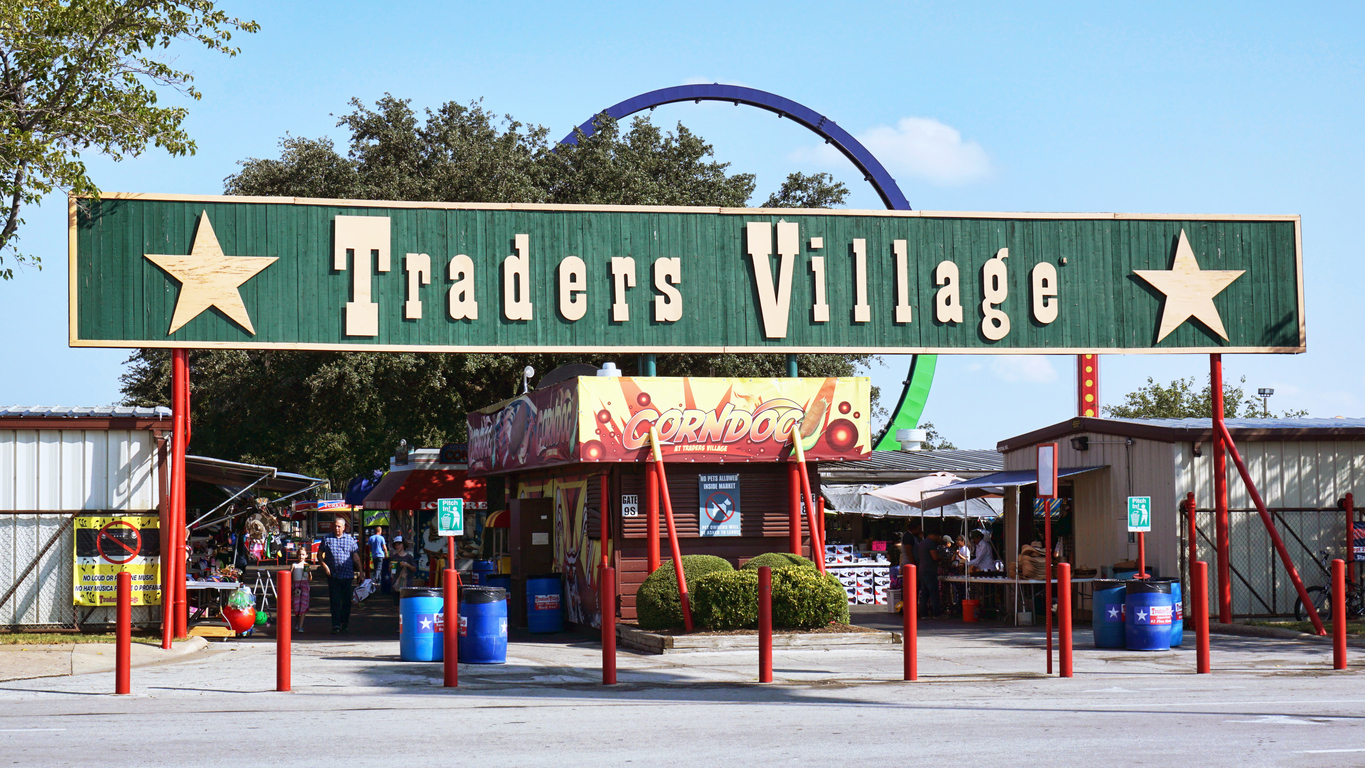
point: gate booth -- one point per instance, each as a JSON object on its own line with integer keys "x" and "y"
{"x": 573, "y": 449}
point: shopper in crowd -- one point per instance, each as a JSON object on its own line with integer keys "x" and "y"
{"x": 983, "y": 555}
{"x": 340, "y": 561}
{"x": 926, "y": 560}
{"x": 379, "y": 552}
{"x": 909, "y": 539}
{"x": 404, "y": 567}
{"x": 301, "y": 586}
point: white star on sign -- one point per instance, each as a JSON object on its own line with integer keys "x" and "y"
{"x": 426, "y": 623}
{"x": 1189, "y": 290}
{"x": 210, "y": 279}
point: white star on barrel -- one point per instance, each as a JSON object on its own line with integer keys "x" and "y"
{"x": 1189, "y": 290}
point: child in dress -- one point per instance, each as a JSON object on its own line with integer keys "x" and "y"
{"x": 299, "y": 576}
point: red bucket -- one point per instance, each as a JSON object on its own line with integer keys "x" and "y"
{"x": 969, "y": 609}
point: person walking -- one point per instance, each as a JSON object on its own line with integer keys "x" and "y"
{"x": 927, "y": 557}
{"x": 340, "y": 560}
{"x": 301, "y": 587}
{"x": 379, "y": 552}
{"x": 404, "y": 567}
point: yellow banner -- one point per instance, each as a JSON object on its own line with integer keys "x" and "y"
{"x": 107, "y": 544}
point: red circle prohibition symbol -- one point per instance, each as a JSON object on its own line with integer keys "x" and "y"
{"x": 115, "y": 546}
{"x": 725, "y": 512}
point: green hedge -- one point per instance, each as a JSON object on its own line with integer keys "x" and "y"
{"x": 777, "y": 560}
{"x": 726, "y": 600}
{"x": 657, "y": 605}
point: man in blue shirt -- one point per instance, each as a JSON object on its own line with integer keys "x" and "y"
{"x": 340, "y": 559}
{"x": 379, "y": 552}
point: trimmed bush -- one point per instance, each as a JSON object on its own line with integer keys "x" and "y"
{"x": 726, "y": 600}
{"x": 657, "y": 605}
{"x": 777, "y": 560}
{"x": 803, "y": 599}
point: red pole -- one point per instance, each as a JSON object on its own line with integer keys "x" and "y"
{"x": 1142, "y": 556}
{"x": 1047, "y": 578}
{"x": 765, "y": 624}
{"x": 123, "y": 633}
{"x": 1350, "y": 534}
{"x": 672, "y": 530}
{"x": 652, "y": 519}
{"x": 1220, "y": 490}
{"x": 820, "y": 515}
{"x": 604, "y": 532}
{"x": 180, "y": 389}
{"x": 1192, "y": 533}
{"x": 910, "y": 620}
{"x": 793, "y": 509}
{"x": 817, "y": 546}
{"x": 1064, "y": 617}
{"x": 1274, "y": 534}
{"x": 450, "y": 632}
{"x": 283, "y": 627}
{"x": 1338, "y": 614}
{"x": 608, "y": 602}
{"x": 167, "y": 595}
{"x": 1201, "y": 616}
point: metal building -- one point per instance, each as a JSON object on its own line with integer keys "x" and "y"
{"x": 1303, "y": 469}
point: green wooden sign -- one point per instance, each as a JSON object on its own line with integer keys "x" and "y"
{"x": 166, "y": 271}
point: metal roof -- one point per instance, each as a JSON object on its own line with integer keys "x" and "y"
{"x": 885, "y": 467}
{"x": 1298, "y": 423}
{"x": 83, "y": 412}
{"x": 1194, "y": 430}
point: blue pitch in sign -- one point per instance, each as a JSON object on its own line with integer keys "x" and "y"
{"x": 719, "y": 496}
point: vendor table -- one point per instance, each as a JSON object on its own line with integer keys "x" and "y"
{"x": 217, "y": 589}
{"x": 1004, "y": 581}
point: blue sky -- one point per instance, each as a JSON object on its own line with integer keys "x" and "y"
{"x": 1191, "y": 108}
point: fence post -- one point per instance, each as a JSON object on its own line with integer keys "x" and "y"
{"x": 607, "y": 603}
{"x": 283, "y": 626}
{"x": 765, "y": 624}
{"x": 1201, "y": 616}
{"x": 1338, "y": 614}
{"x": 1064, "y": 617}
{"x": 910, "y": 620}
{"x": 450, "y": 632}
{"x": 123, "y": 633}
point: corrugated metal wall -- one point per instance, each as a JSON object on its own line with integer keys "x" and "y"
{"x": 45, "y": 473}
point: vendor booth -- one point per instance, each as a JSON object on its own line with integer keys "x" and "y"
{"x": 574, "y": 449}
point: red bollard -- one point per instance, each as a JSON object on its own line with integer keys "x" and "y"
{"x": 1338, "y": 614}
{"x": 1064, "y": 618}
{"x": 910, "y": 620}
{"x": 123, "y": 634}
{"x": 765, "y": 624}
{"x": 283, "y": 627}
{"x": 450, "y": 632}
{"x": 607, "y": 602}
{"x": 1201, "y": 617}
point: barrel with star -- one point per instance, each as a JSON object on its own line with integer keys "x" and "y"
{"x": 483, "y": 625}
{"x": 421, "y": 624}
{"x": 1177, "y": 612}
{"x": 1109, "y": 597}
{"x": 1148, "y": 615}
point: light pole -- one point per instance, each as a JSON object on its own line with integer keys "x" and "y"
{"x": 1265, "y": 393}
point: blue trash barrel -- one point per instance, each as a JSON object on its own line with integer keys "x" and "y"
{"x": 1147, "y": 623}
{"x": 483, "y": 625}
{"x": 499, "y": 580}
{"x": 1107, "y": 622}
{"x": 482, "y": 570}
{"x": 1177, "y": 612}
{"x": 420, "y": 624}
{"x": 544, "y": 603}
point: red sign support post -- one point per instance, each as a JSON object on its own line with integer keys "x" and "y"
{"x": 672, "y": 529}
{"x": 123, "y": 632}
{"x": 283, "y": 626}
{"x": 1350, "y": 537}
{"x": 817, "y": 546}
{"x": 1220, "y": 491}
{"x": 180, "y": 427}
{"x": 765, "y": 624}
{"x": 1047, "y": 489}
{"x": 793, "y": 510}
{"x": 652, "y": 520}
{"x": 910, "y": 620}
{"x": 450, "y": 632}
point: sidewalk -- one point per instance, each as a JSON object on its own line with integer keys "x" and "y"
{"x": 23, "y": 662}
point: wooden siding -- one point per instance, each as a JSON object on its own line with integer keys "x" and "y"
{"x": 119, "y": 296}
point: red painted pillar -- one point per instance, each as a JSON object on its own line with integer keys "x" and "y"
{"x": 1201, "y": 616}
{"x": 910, "y": 620}
{"x": 450, "y": 632}
{"x": 605, "y": 516}
{"x": 793, "y": 509}
{"x": 283, "y": 627}
{"x": 180, "y": 406}
{"x": 652, "y": 518}
{"x": 1087, "y": 385}
{"x": 820, "y": 515}
{"x": 1064, "y": 617}
{"x": 674, "y": 546}
{"x": 164, "y": 534}
{"x": 1338, "y": 614}
{"x": 1192, "y": 535}
{"x": 1047, "y": 579}
{"x": 1142, "y": 556}
{"x": 1350, "y": 537}
{"x": 123, "y": 632}
{"x": 1220, "y": 492}
{"x": 607, "y": 600}
{"x": 765, "y": 624}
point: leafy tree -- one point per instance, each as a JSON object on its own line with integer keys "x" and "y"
{"x": 801, "y": 191}
{"x": 336, "y": 414}
{"x": 1180, "y": 400}
{"x": 933, "y": 441}
{"x": 83, "y": 75}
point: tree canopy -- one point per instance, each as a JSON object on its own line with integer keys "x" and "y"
{"x": 82, "y": 76}
{"x": 1180, "y": 400}
{"x": 337, "y": 414}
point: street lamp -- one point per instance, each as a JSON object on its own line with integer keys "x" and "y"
{"x": 1265, "y": 393}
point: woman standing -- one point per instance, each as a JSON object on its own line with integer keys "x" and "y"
{"x": 301, "y": 586}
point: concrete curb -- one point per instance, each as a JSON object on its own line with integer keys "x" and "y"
{"x": 24, "y": 662}
{"x": 649, "y": 642}
{"x": 1275, "y": 633}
